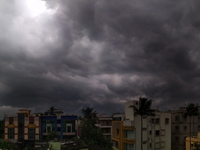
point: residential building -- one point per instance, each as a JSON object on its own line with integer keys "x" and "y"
{"x": 105, "y": 124}
{"x": 37, "y": 126}
{"x": 22, "y": 127}
{"x": 156, "y": 131}
{"x": 193, "y": 140}
{"x": 118, "y": 117}
{"x": 181, "y": 128}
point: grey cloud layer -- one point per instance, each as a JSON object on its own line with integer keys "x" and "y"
{"x": 100, "y": 54}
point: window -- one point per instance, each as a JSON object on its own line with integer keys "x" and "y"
{"x": 184, "y": 139}
{"x": 199, "y": 119}
{"x": 129, "y": 134}
{"x": 185, "y": 128}
{"x": 163, "y": 144}
{"x": 157, "y": 120}
{"x": 177, "y": 128}
{"x": 149, "y": 120}
{"x": 150, "y": 145}
{"x": 128, "y": 146}
{"x": 166, "y": 120}
{"x": 136, "y": 103}
{"x": 198, "y": 127}
{"x": 157, "y": 132}
{"x": 117, "y": 132}
{"x": 31, "y": 130}
{"x": 150, "y": 132}
{"x": 10, "y": 122}
{"x": 176, "y": 139}
{"x": 31, "y": 137}
{"x": 177, "y": 118}
{"x": 115, "y": 144}
{"x": 163, "y": 132}
{"x": 157, "y": 145}
{"x": 10, "y": 129}
{"x": 184, "y": 119}
{"x": 144, "y": 129}
{"x": 69, "y": 127}
{"x": 11, "y": 137}
{"x": 49, "y": 128}
{"x": 58, "y": 121}
{"x": 152, "y": 120}
{"x": 31, "y": 122}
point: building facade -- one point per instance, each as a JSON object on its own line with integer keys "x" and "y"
{"x": 181, "y": 128}
{"x": 36, "y": 127}
{"x": 156, "y": 131}
{"x": 105, "y": 124}
{"x": 23, "y": 127}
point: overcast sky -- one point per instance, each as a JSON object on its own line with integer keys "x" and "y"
{"x": 72, "y": 54}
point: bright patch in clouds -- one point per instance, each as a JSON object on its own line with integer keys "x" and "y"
{"x": 38, "y": 7}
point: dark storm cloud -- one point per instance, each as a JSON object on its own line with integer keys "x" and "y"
{"x": 100, "y": 54}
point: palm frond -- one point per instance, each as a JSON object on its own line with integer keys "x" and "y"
{"x": 144, "y": 108}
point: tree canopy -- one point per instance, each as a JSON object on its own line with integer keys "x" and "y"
{"x": 50, "y": 111}
{"x": 144, "y": 108}
{"x": 191, "y": 110}
{"x": 7, "y": 145}
{"x": 91, "y": 134}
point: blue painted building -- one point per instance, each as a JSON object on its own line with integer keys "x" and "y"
{"x": 65, "y": 125}
{"x": 68, "y": 127}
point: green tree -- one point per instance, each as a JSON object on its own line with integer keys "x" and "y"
{"x": 1, "y": 128}
{"x": 91, "y": 134}
{"x": 6, "y": 145}
{"x": 52, "y": 136}
{"x": 51, "y": 111}
{"x": 143, "y": 110}
{"x": 191, "y": 110}
{"x": 197, "y": 146}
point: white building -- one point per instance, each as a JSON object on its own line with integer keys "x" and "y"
{"x": 105, "y": 124}
{"x": 181, "y": 127}
{"x": 156, "y": 131}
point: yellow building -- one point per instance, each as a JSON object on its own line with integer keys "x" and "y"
{"x": 123, "y": 135}
{"x": 193, "y": 140}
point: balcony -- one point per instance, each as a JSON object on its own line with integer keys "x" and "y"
{"x": 130, "y": 141}
{"x": 110, "y": 119}
{"x": 31, "y": 125}
{"x": 11, "y": 126}
{"x": 103, "y": 125}
{"x": 106, "y": 133}
{"x": 69, "y": 133}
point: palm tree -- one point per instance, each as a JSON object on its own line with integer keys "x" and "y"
{"x": 191, "y": 110}
{"x": 51, "y": 111}
{"x": 89, "y": 114}
{"x": 143, "y": 110}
